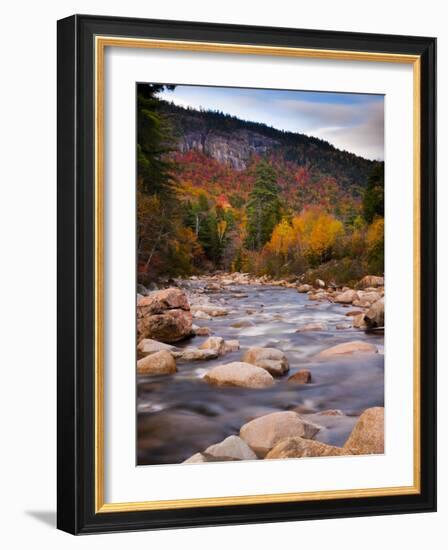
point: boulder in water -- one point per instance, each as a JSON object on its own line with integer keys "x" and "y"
{"x": 239, "y": 374}
{"x": 232, "y": 447}
{"x": 298, "y": 447}
{"x": 263, "y": 433}
{"x": 349, "y": 348}
{"x": 271, "y": 359}
{"x": 367, "y": 436}
{"x": 161, "y": 362}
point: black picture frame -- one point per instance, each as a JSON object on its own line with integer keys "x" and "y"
{"x": 76, "y": 254}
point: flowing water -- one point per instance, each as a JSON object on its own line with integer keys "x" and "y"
{"x": 181, "y": 414}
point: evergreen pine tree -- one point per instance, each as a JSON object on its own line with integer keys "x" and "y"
{"x": 263, "y": 207}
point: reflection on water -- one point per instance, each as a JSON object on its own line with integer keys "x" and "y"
{"x": 180, "y": 415}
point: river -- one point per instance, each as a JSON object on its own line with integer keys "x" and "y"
{"x": 181, "y": 414}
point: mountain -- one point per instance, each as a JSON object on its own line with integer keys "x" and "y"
{"x": 235, "y": 143}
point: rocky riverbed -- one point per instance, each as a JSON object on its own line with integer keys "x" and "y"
{"x": 232, "y": 367}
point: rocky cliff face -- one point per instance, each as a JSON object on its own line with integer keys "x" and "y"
{"x": 234, "y": 149}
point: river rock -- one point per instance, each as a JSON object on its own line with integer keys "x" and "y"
{"x": 349, "y": 348}
{"x": 353, "y": 313}
{"x": 358, "y": 321}
{"x": 231, "y": 345}
{"x": 298, "y": 447}
{"x": 343, "y": 326}
{"x": 196, "y": 354}
{"x": 197, "y": 458}
{"x": 198, "y": 314}
{"x": 371, "y": 281}
{"x": 232, "y": 447}
{"x": 263, "y": 433}
{"x": 318, "y": 283}
{"x": 239, "y": 374}
{"x": 303, "y": 376}
{"x": 367, "y": 436}
{"x": 375, "y": 315}
{"x": 271, "y": 359}
{"x": 202, "y": 331}
{"x": 211, "y": 310}
{"x": 304, "y": 288}
{"x": 165, "y": 316}
{"x": 148, "y": 346}
{"x": 309, "y": 327}
{"x": 161, "y": 362}
{"x": 346, "y": 297}
{"x": 215, "y": 343}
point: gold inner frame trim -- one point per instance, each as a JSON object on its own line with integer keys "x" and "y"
{"x": 101, "y": 42}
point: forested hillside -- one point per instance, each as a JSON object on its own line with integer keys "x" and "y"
{"x": 216, "y": 192}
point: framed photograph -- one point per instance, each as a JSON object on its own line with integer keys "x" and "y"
{"x": 246, "y": 274}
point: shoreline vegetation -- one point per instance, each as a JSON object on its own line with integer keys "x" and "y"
{"x": 218, "y": 193}
{"x": 230, "y": 215}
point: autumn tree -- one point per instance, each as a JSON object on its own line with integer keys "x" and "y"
{"x": 263, "y": 207}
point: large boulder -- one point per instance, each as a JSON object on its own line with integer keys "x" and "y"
{"x": 346, "y": 297}
{"x": 348, "y": 348}
{"x": 232, "y": 447}
{"x": 374, "y": 318}
{"x": 239, "y": 374}
{"x": 371, "y": 281}
{"x": 298, "y": 447}
{"x": 161, "y": 362}
{"x": 165, "y": 316}
{"x": 367, "y": 436}
{"x": 263, "y": 433}
{"x": 271, "y": 359}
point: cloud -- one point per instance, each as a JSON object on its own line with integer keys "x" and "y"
{"x": 351, "y": 122}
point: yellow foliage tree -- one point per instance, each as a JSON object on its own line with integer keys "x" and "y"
{"x": 282, "y": 239}
{"x": 317, "y": 232}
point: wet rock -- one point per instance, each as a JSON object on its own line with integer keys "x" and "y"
{"x": 343, "y": 326}
{"x": 371, "y": 281}
{"x": 346, "y": 297}
{"x": 201, "y": 315}
{"x": 232, "y": 447}
{"x": 198, "y": 458}
{"x": 211, "y": 310}
{"x": 215, "y": 343}
{"x": 271, "y": 359}
{"x": 367, "y": 436}
{"x": 349, "y": 348}
{"x": 239, "y": 374}
{"x": 196, "y": 354}
{"x": 148, "y": 346}
{"x": 309, "y": 327}
{"x": 358, "y": 321}
{"x": 231, "y": 345}
{"x": 263, "y": 433}
{"x": 304, "y": 288}
{"x": 303, "y": 376}
{"x": 375, "y": 315}
{"x": 202, "y": 331}
{"x": 161, "y": 300}
{"x": 172, "y": 326}
{"x": 353, "y": 312}
{"x": 298, "y": 447}
{"x": 161, "y": 362}
{"x": 165, "y": 316}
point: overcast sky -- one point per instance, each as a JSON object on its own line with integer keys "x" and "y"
{"x": 352, "y": 122}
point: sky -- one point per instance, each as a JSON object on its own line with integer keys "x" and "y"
{"x": 351, "y": 122}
